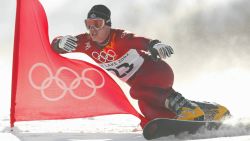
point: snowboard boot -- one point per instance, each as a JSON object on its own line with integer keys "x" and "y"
{"x": 213, "y": 111}
{"x": 183, "y": 108}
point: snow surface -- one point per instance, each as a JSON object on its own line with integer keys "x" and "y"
{"x": 111, "y": 128}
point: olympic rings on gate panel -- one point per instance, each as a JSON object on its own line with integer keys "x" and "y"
{"x": 62, "y": 85}
{"x": 103, "y": 56}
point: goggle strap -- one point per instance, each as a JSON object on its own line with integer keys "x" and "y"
{"x": 109, "y": 20}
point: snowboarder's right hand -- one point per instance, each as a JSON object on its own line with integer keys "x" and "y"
{"x": 68, "y": 43}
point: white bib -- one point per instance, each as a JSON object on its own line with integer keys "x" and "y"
{"x": 125, "y": 66}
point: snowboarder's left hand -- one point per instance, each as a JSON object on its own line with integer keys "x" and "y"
{"x": 161, "y": 50}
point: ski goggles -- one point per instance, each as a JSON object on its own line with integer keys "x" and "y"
{"x": 96, "y": 23}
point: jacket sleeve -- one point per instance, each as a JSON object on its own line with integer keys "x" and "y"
{"x": 138, "y": 42}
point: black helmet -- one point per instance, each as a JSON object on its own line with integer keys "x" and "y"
{"x": 100, "y": 11}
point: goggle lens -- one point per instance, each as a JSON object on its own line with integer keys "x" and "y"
{"x": 96, "y": 23}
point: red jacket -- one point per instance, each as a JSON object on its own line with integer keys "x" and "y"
{"x": 122, "y": 56}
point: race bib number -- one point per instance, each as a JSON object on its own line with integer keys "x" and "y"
{"x": 125, "y": 66}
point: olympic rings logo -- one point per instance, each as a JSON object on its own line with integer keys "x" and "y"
{"x": 61, "y": 84}
{"x": 103, "y": 56}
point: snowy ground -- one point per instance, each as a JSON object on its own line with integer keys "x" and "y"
{"x": 111, "y": 128}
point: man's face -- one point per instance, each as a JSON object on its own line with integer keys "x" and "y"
{"x": 97, "y": 29}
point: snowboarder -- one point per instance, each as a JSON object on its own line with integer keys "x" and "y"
{"x": 138, "y": 61}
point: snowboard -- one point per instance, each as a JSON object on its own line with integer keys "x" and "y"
{"x": 161, "y": 127}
